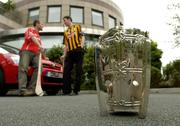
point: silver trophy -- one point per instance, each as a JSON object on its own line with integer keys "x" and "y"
{"x": 122, "y": 72}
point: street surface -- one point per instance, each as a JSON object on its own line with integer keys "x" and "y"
{"x": 82, "y": 110}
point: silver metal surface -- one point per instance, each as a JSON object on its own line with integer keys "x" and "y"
{"x": 122, "y": 72}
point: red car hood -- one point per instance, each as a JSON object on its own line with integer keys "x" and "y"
{"x": 46, "y": 63}
{"x": 50, "y": 64}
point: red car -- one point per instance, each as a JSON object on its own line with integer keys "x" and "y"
{"x": 52, "y": 73}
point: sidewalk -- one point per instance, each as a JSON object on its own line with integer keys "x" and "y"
{"x": 165, "y": 91}
{"x": 152, "y": 91}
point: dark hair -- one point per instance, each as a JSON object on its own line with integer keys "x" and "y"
{"x": 68, "y": 17}
{"x": 35, "y": 22}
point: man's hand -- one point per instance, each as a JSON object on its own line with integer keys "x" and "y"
{"x": 82, "y": 42}
{"x": 41, "y": 49}
{"x": 46, "y": 58}
{"x": 62, "y": 58}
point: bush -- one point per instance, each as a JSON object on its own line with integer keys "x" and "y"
{"x": 55, "y": 53}
{"x": 155, "y": 77}
{"x": 88, "y": 77}
{"x": 172, "y": 73}
{"x": 89, "y": 70}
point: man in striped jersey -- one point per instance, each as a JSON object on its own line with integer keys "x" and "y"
{"x": 73, "y": 54}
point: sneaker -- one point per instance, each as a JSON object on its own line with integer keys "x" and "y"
{"x": 75, "y": 93}
{"x": 21, "y": 92}
{"x": 29, "y": 93}
{"x": 66, "y": 92}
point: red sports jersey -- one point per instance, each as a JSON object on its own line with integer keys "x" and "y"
{"x": 28, "y": 43}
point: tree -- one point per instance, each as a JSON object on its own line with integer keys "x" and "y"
{"x": 1, "y": 9}
{"x": 89, "y": 70}
{"x": 175, "y": 23}
{"x": 156, "y": 64}
{"x": 156, "y": 55}
{"x": 137, "y": 31}
{"x": 172, "y": 73}
{"x": 88, "y": 78}
{"x": 155, "y": 77}
{"x": 54, "y": 53}
{"x": 9, "y": 6}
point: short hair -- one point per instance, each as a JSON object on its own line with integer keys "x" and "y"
{"x": 68, "y": 17}
{"x": 35, "y": 22}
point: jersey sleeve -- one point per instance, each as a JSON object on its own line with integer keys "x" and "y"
{"x": 29, "y": 33}
{"x": 65, "y": 39}
{"x": 80, "y": 30}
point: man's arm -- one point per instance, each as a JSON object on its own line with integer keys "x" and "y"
{"x": 65, "y": 45}
{"x": 64, "y": 54}
{"x": 35, "y": 40}
{"x": 81, "y": 35}
{"x": 44, "y": 55}
{"x": 82, "y": 41}
{"x": 65, "y": 51}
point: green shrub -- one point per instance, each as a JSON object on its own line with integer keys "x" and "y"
{"x": 155, "y": 77}
{"x": 89, "y": 70}
{"x": 88, "y": 77}
{"x": 55, "y": 53}
{"x": 172, "y": 73}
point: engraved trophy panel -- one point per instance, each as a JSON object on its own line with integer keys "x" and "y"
{"x": 122, "y": 65}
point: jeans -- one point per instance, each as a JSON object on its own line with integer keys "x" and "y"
{"x": 27, "y": 59}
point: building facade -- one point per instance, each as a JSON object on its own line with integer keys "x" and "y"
{"x": 95, "y": 17}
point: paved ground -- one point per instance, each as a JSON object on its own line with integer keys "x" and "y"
{"x": 82, "y": 110}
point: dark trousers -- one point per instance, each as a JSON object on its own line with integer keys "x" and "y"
{"x": 71, "y": 59}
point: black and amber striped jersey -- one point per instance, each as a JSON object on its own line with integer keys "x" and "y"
{"x": 73, "y": 37}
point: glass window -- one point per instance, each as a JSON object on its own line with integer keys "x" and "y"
{"x": 33, "y": 15}
{"x": 97, "y": 18}
{"x": 91, "y": 40}
{"x": 112, "y": 22}
{"x": 54, "y": 14}
{"x": 3, "y": 51}
{"x": 47, "y": 41}
{"x": 77, "y": 14}
{"x": 14, "y": 42}
{"x": 50, "y": 41}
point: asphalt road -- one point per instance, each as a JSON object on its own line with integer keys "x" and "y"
{"x": 82, "y": 110}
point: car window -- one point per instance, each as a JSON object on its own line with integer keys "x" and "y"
{"x": 3, "y": 51}
{"x": 9, "y": 49}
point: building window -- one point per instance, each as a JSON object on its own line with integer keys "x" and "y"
{"x": 33, "y": 15}
{"x": 54, "y": 13}
{"x": 77, "y": 14}
{"x": 97, "y": 18}
{"x": 112, "y": 22}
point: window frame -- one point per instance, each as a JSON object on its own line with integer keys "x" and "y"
{"x": 49, "y": 6}
{"x": 29, "y": 10}
{"x": 92, "y": 18}
{"x": 79, "y": 7}
{"x": 110, "y": 16}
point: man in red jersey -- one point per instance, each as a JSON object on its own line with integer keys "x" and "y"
{"x": 29, "y": 55}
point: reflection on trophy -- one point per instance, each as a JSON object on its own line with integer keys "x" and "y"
{"x": 122, "y": 72}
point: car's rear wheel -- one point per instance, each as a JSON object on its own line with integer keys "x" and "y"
{"x": 51, "y": 92}
{"x": 3, "y": 90}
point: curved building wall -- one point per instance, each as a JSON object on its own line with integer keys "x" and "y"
{"x": 52, "y": 32}
{"x": 105, "y": 6}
